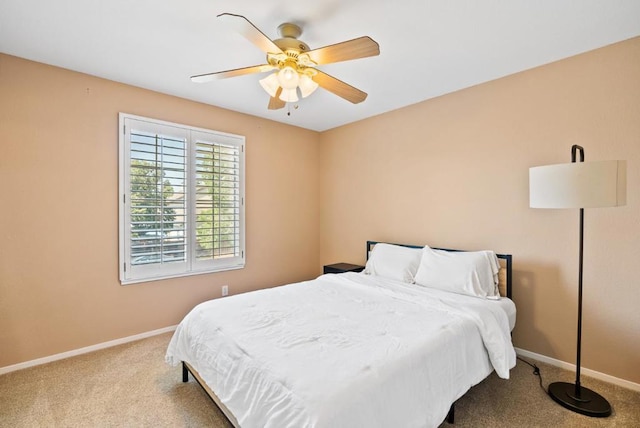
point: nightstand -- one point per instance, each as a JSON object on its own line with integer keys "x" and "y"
{"x": 342, "y": 267}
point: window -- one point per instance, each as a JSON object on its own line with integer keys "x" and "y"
{"x": 181, "y": 200}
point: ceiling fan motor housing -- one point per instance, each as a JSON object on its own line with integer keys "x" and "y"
{"x": 291, "y": 44}
{"x": 289, "y": 38}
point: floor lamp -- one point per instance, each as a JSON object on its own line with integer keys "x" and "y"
{"x": 579, "y": 185}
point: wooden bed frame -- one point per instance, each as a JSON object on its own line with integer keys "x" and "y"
{"x": 186, "y": 367}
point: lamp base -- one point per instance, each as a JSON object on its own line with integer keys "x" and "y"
{"x": 587, "y": 402}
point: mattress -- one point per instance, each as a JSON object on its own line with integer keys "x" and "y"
{"x": 347, "y": 350}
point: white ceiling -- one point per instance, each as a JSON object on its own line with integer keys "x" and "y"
{"x": 427, "y": 47}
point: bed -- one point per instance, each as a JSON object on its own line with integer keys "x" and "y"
{"x": 392, "y": 346}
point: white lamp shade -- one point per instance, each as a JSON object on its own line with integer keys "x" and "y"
{"x": 578, "y": 185}
{"x": 270, "y": 84}
{"x": 307, "y": 85}
{"x": 288, "y": 78}
{"x": 289, "y": 95}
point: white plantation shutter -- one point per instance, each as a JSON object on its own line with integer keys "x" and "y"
{"x": 157, "y": 189}
{"x": 182, "y": 200}
{"x": 218, "y": 201}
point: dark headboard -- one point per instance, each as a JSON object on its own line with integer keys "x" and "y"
{"x": 507, "y": 258}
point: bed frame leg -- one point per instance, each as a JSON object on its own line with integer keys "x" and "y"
{"x": 450, "y": 415}
{"x": 185, "y": 373}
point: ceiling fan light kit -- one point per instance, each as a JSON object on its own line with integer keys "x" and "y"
{"x": 307, "y": 85}
{"x": 270, "y": 84}
{"x": 289, "y": 95}
{"x": 288, "y": 78}
{"x": 294, "y": 63}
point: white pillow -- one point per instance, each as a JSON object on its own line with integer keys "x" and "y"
{"x": 393, "y": 262}
{"x": 473, "y": 273}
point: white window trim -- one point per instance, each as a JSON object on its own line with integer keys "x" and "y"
{"x": 191, "y": 267}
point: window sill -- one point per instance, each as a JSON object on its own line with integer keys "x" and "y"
{"x": 180, "y": 275}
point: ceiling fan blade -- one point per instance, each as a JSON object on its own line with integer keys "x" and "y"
{"x": 339, "y": 88}
{"x": 276, "y": 103}
{"x": 243, "y": 26}
{"x": 361, "y": 47}
{"x": 208, "y": 77}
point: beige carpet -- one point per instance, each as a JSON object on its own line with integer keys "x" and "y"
{"x": 131, "y": 386}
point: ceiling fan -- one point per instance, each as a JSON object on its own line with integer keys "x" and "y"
{"x": 295, "y": 63}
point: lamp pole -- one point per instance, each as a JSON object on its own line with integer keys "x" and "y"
{"x": 575, "y": 148}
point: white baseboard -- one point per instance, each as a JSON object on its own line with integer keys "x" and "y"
{"x": 522, "y": 352}
{"x": 568, "y": 366}
{"x": 85, "y": 350}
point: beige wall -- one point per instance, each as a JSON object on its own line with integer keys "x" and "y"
{"x": 59, "y": 287}
{"x": 453, "y": 172}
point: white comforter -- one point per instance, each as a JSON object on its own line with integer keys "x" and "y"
{"x": 346, "y": 350}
